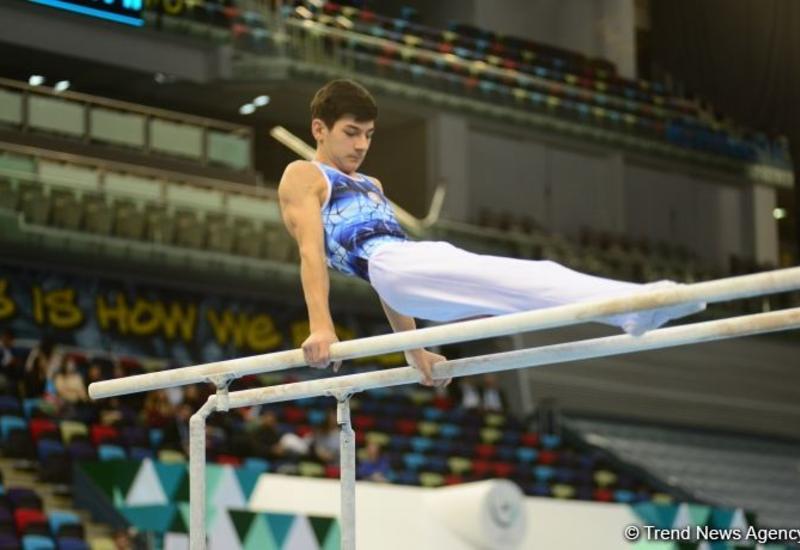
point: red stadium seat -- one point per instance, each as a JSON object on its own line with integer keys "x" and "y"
{"x": 41, "y": 426}
{"x": 24, "y": 518}
{"x": 101, "y": 433}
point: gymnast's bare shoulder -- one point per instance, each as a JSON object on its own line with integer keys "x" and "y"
{"x": 301, "y": 193}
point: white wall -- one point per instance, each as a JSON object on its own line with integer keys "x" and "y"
{"x": 704, "y": 215}
{"x": 561, "y": 189}
{"x": 391, "y": 517}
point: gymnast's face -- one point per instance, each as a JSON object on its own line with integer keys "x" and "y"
{"x": 346, "y": 144}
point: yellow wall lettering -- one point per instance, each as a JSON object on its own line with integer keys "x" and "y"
{"x": 57, "y": 308}
{"x": 300, "y": 331}
{"x": 176, "y": 318}
{"x": 143, "y": 319}
{"x": 229, "y": 326}
{"x": 262, "y": 335}
{"x": 115, "y": 314}
{"x": 7, "y": 306}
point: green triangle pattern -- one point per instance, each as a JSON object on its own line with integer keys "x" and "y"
{"x": 654, "y": 545}
{"x": 242, "y": 520}
{"x": 117, "y": 497}
{"x": 721, "y": 518}
{"x": 247, "y": 481}
{"x": 320, "y": 526}
{"x": 279, "y": 525}
{"x": 213, "y": 475}
{"x": 699, "y": 514}
{"x": 179, "y": 523}
{"x": 661, "y": 516}
{"x": 171, "y": 476}
{"x": 182, "y": 492}
{"x": 111, "y": 474}
{"x": 149, "y": 518}
{"x": 260, "y": 537}
{"x": 334, "y": 540}
{"x": 185, "y": 512}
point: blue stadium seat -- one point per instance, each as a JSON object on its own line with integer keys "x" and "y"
{"x": 8, "y": 423}
{"x": 37, "y": 542}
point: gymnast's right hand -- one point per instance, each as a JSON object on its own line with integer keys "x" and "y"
{"x": 317, "y": 349}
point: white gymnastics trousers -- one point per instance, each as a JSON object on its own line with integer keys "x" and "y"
{"x": 437, "y": 281}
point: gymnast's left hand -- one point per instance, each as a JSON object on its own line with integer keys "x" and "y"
{"x": 317, "y": 349}
{"x": 424, "y": 360}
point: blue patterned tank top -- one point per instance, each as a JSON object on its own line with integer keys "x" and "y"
{"x": 357, "y": 219}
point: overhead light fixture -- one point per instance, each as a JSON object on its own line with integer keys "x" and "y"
{"x": 247, "y": 109}
{"x": 61, "y": 86}
{"x": 36, "y": 80}
{"x": 779, "y": 213}
{"x": 261, "y": 101}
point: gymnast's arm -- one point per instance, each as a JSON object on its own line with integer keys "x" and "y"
{"x": 419, "y": 358}
{"x": 301, "y": 193}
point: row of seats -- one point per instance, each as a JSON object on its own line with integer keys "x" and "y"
{"x": 427, "y": 440}
{"x": 133, "y": 207}
{"x": 727, "y": 469}
{"x": 617, "y": 103}
{"x": 24, "y": 524}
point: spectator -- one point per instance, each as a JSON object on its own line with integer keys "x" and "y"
{"x": 262, "y": 438}
{"x": 69, "y": 384}
{"x": 470, "y": 397}
{"x": 176, "y": 431}
{"x": 9, "y": 364}
{"x": 42, "y": 363}
{"x": 492, "y": 396}
{"x": 157, "y": 411}
{"x": 374, "y": 466}
{"x": 325, "y": 440}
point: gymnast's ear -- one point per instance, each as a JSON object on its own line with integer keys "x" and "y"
{"x": 319, "y": 129}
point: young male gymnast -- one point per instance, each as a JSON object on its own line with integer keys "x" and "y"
{"x": 341, "y": 217}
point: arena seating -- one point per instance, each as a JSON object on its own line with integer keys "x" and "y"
{"x": 428, "y": 439}
{"x": 503, "y": 70}
{"x": 759, "y": 474}
{"x": 86, "y": 199}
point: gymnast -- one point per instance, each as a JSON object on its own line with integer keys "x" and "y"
{"x": 342, "y": 218}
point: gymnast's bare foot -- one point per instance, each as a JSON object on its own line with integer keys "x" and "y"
{"x": 637, "y": 323}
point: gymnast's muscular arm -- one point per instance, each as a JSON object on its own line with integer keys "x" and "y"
{"x": 301, "y": 192}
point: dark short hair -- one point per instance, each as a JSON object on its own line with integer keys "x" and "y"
{"x": 340, "y": 98}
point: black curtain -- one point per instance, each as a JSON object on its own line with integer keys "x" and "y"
{"x": 743, "y": 56}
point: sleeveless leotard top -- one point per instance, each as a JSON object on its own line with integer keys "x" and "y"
{"x": 357, "y": 219}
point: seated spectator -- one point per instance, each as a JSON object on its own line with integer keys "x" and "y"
{"x": 71, "y": 399}
{"x": 374, "y": 466}
{"x": 10, "y": 372}
{"x": 470, "y": 397}
{"x": 69, "y": 384}
{"x": 157, "y": 411}
{"x": 261, "y": 438}
{"x": 42, "y": 363}
{"x": 176, "y": 430}
{"x": 492, "y": 396}
{"x": 325, "y": 440}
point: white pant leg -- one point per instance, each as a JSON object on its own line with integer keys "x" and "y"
{"x": 437, "y": 281}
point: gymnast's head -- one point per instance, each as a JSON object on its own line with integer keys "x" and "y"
{"x": 343, "y": 115}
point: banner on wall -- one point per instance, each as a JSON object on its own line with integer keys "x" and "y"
{"x": 132, "y": 318}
